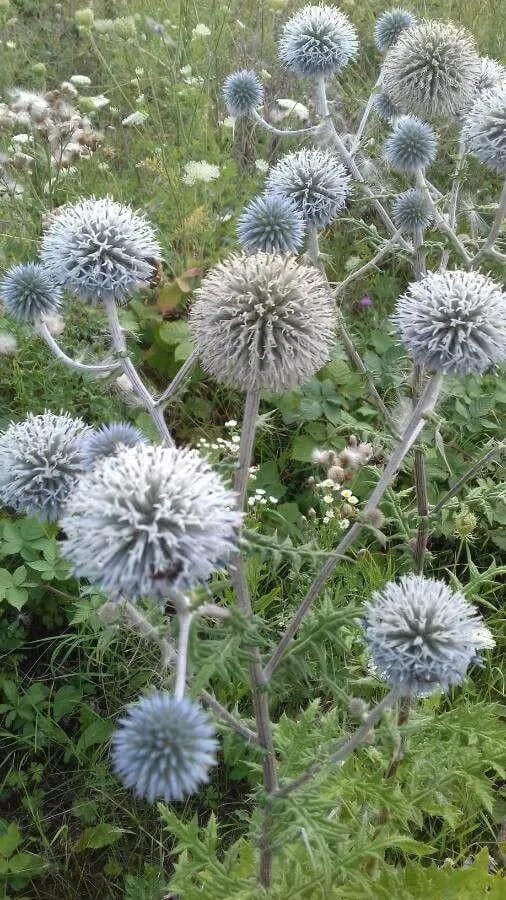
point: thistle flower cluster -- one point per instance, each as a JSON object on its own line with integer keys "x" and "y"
{"x": 29, "y": 293}
{"x": 315, "y": 180}
{"x": 100, "y": 249}
{"x": 422, "y": 635}
{"x": 243, "y": 92}
{"x": 163, "y": 747}
{"x": 318, "y": 41}
{"x": 453, "y": 322}
{"x": 411, "y": 145}
{"x": 412, "y": 210}
{"x": 40, "y": 461}
{"x": 263, "y": 321}
{"x": 390, "y": 25}
{"x": 384, "y": 107}
{"x": 431, "y": 70}
{"x": 485, "y": 129}
{"x": 107, "y": 441}
{"x": 272, "y": 223}
{"x": 149, "y": 521}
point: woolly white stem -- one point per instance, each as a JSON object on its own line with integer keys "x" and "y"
{"x": 454, "y": 197}
{"x": 98, "y": 369}
{"x": 390, "y": 245}
{"x": 442, "y": 223}
{"x": 495, "y": 229}
{"x": 365, "y": 116}
{"x": 185, "y": 619}
{"x": 280, "y": 131}
{"x": 178, "y": 378}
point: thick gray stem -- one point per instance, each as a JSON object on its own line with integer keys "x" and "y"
{"x": 97, "y": 369}
{"x": 178, "y": 379}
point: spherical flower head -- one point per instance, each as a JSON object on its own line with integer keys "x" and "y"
{"x": 150, "y": 521}
{"x": 485, "y": 129}
{"x": 263, "y": 321}
{"x": 412, "y": 210}
{"x": 453, "y": 322}
{"x": 422, "y": 635}
{"x": 163, "y": 747}
{"x": 40, "y": 461}
{"x": 411, "y": 145}
{"x": 384, "y": 107}
{"x": 315, "y": 180}
{"x": 108, "y": 440}
{"x": 432, "y": 69}
{"x": 318, "y": 41}
{"x": 100, "y": 249}
{"x": 243, "y": 92}
{"x": 390, "y": 25}
{"x": 272, "y": 223}
{"x": 29, "y": 292}
{"x": 492, "y": 75}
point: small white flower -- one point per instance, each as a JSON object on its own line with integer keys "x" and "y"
{"x": 328, "y": 498}
{"x": 262, "y": 166}
{"x": 263, "y": 501}
{"x": 22, "y": 139}
{"x": 95, "y": 103}
{"x": 330, "y": 514}
{"x": 8, "y": 343}
{"x": 232, "y": 424}
{"x": 54, "y": 323}
{"x": 11, "y": 45}
{"x": 80, "y": 80}
{"x": 344, "y": 524}
{"x": 251, "y": 501}
{"x": 200, "y": 171}
{"x": 236, "y": 439}
{"x": 260, "y": 491}
{"x": 229, "y": 122}
{"x": 135, "y": 118}
{"x": 139, "y": 71}
{"x": 273, "y": 499}
{"x": 201, "y": 30}
{"x": 346, "y": 494}
{"x": 353, "y": 500}
{"x": 186, "y": 70}
{"x": 290, "y": 107}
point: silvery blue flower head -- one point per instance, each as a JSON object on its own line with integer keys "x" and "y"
{"x": 390, "y": 25}
{"x": 263, "y": 321}
{"x": 40, "y": 461}
{"x": 492, "y": 76}
{"x": 107, "y": 440}
{"x": 150, "y": 521}
{"x": 412, "y": 210}
{"x": 271, "y": 222}
{"x": 431, "y": 70}
{"x": 315, "y": 180}
{"x": 453, "y": 322}
{"x": 100, "y": 249}
{"x": 384, "y": 107}
{"x": 422, "y": 635}
{"x": 243, "y": 92}
{"x": 163, "y": 747}
{"x": 318, "y": 40}
{"x": 29, "y": 292}
{"x": 485, "y": 129}
{"x": 411, "y": 145}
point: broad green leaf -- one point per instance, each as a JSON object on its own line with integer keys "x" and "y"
{"x": 101, "y": 835}
{"x": 10, "y": 840}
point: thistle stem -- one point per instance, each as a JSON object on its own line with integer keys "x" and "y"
{"x": 495, "y": 228}
{"x": 467, "y": 475}
{"x": 281, "y": 132}
{"x": 178, "y": 379}
{"x": 454, "y": 197}
{"x": 443, "y": 224}
{"x": 97, "y": 369}
{"x": 365, "y": 117}
{"x": 390, "y": 245}
{"x": 185, "y": 620}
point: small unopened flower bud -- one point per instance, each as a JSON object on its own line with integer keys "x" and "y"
{"x": 311, "y": 512}
{"x": 357, "y": 709}
{"x": 84, "y": 17}
{"x": 374, "y": 517}
{"x": 336, "y": 474}
{"x": 464, "y": 524}
{"x": 321, "y": 457}
{"x": 348, "y": 510}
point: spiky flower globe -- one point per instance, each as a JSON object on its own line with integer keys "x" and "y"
{"x": 29, "y": 292}
{"x": 100, "y": 249}
{"x": 431, "y": 70}
{"x": 272, "y": 223}
{"x": 263, "y": 321}
{"x": 422, "y": 635}
{"x": 40, "y": 461}
{"x": 390, "y": 25}
{"x": 492, "y": 75}
{"x": 163, "y": 747}
{"x": 411, "y": 145}
{"x": 315, "y": 180}
{"x": 384, "y": 107}
{"x": 318, "y": 40}
{"x": 485, "y": 129}
{"x": 243, "y": 92}
{"x": 107, "y": 440}
{"x": 149, "y": 521}
{"x": 453, "y": 322}
{"x": 412, "y": 210}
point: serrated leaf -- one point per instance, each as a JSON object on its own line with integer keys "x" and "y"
{"x": 9, "y": 840}
{"x": 97, "y": 836}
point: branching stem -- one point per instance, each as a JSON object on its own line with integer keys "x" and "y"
{"x": 91, "y": 369}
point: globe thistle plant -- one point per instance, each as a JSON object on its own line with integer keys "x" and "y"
{"x": 411, "y": 145}
{"x": 422, "y": 635}
{"x": 492, "y": 75}
{"x": 243, "y": 92}
{"x": 384, "y": 107}
{"x": 315, "y": 180}
{"x": 29, "y": 292}
{"x": 100, "y": 249}
{"x": 150, "y": 521}
{"x": 485, "y": 129}
{"x": 40, "y": 461}
{"x": 390, "y": 25}
{"x": 107, "y": 440}
{"x": 412, "y": 210}
{"x": 272, "y": 223}
{"x": 453, "y": 322}
{"x": 263, "y": 321}
{"x": 431, "y": 70}
{"x": 163, "y": 747}
{"x": 318, "y": 41}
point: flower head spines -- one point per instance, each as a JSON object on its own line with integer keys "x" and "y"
{"x": 390, "y": 25}
{"x": 422, "y": 635}
{"x": 163, "y": 747}
{"x": 412, "y": 210}
{"x": 29, "y": 292}
{"x": 271, "y": 222}
{"x": 316, "y": 182}
{"x": 243, "y": 92}
{"x": 263, "y": 321}
{"x": 318, "y": 41}
{"x": 40, "y": 461}
{"x": 384, "y": 107}
{"x": 431, "y": 70}
{"x": 411, "y": 145}
{"x": 100, "y": 249}
{"x": 485, "y": 129}
{"x": 150, "y": 521}
{"x": 453, "y": 322}
{"x": 107, "y": 440}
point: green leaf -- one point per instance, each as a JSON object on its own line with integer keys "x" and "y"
{"x": 26, "y": 864}
{"x": 65, "y": 700}
{"x": 102, "y": 835}
{"x": 175, "y": 332}
{"x": 302, "y": 448}
{"x": 10, "y": 840}
{"x": 98, "y": 732}
{"x": 16, "y": 597}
